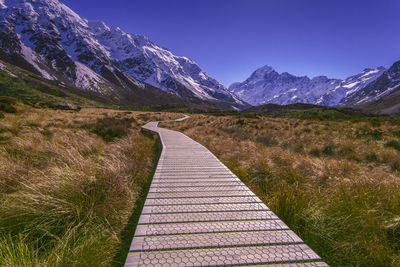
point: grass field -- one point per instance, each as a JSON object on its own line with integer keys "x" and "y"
{"x": 70, "y": 183}
{"x": 335, "y": 183}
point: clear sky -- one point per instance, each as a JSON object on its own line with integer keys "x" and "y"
{"x": 229, "y": 39}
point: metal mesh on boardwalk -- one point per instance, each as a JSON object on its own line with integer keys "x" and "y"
{"x": 198, "y": 213}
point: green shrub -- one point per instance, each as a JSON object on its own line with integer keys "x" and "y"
{"x": 396, "y": 133}
{"x": 393, "y": 144}
{"x": 393, "y": 235}
{"x": 250, "y": 115}
{"x": 240, "y": 122}
{"x": 372, "y": 157}
{"x": 8, "y": 108}
{"x": 238, "y": 133}
{"x": 329, "y": 150}
{"x": 315, "y": 152}
{"x": 376, "y": 134}
{"x": 395, "y": 165}
{"x": 110, "y": 128}
{"x": 8, "y": 100}
{"x": 348, "y": 150}
{"x": 375, "y": 123}
{"x": 109, "y": 134}
{"x": 365, "y": 131}
{"x": 298, "y": 148}
{"x": 144, "y": 117}
{"x": 4, "y": 139}
{"x": 267, "y": 140}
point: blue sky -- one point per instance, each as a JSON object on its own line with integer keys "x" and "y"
{"x": 229, "y": 39}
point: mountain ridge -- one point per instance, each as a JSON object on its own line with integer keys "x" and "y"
{"x": 59, "y": 44}
{"x": 384, "y": 85}
{"x": 266, "y": 85}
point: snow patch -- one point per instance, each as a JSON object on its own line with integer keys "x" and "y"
{"x": 32, "y": 58}
{"x": 371, "y": 72}
{"x": 86, "y": 78}
{"x": 3, "y": 68}
{"x": 351, "y": 85}
{"x": 72, "y": 15}
{"x": 11, "y": 74}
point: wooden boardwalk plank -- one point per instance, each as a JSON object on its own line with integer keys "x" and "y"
{"x": 198, "y": 213}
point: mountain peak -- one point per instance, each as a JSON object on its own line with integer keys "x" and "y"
{"x": 260, "y": 73}
{"x": 265, "y": 69}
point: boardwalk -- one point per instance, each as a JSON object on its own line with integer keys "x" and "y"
{"x": 198, "y": 213}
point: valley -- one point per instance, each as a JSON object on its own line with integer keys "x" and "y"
{"x": 80, "y": 144}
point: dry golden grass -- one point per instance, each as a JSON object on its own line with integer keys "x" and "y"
{"x": 335, "y": 183}
{"x": 66, "y": 193}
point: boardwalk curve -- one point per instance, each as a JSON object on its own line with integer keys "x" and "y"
{"x": 198, "y": 213}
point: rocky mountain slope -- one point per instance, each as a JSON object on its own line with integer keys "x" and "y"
{"x": 379, "y": 95}
{"x": 33, "y": 89}
{"x": 266, "y": 85}
{"x": 350, "y": 86}
{"x": 48, "y": 38}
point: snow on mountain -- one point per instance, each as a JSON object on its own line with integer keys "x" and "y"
{"x": 350, "y": 86}
{"x": 147, "y": 62}
{"x": 383, "y": 85}
{"x": 266, "y": 85}
{"x": 61, "y": 45}
{"x": 4, "y": 68}
{"x": 33, "y": 58}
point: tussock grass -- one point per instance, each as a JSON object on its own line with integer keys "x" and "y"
{"x": 335, "y": 183}
{"x": 66, "y": 189}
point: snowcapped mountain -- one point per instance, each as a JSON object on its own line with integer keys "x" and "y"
{"x": 350, "y": 86}
{"x": 48, "y": 38}
{"x": 266, "y": 85}
{"x": 386, "y": 84}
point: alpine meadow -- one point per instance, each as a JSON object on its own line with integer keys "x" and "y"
{"x": 199, "y": 133}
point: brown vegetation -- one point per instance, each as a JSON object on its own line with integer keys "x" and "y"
{"x": 69, "y": 182}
